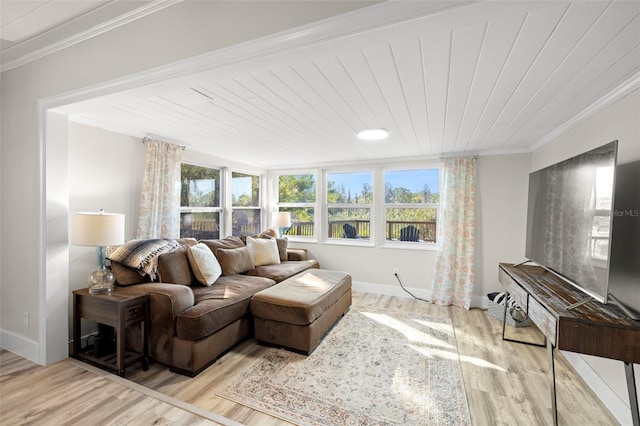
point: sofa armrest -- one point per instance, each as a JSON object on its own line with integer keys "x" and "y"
{"x": 166, "y": 301}
{"x": 297, "y": 254}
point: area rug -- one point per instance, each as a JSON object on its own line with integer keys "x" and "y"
{"x": 375, "y": 367}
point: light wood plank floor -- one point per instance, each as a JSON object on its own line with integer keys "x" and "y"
{"x": 506, "y": 383}
{"x": 71, "y": 393}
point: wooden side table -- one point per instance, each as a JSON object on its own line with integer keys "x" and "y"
{"x": 118, "y": 310}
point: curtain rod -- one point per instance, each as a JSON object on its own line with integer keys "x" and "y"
{"x": 475, "y": 157}
{"x": 147, "y": 139}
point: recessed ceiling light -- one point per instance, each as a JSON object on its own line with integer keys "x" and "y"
{"x": 373, "y": 134}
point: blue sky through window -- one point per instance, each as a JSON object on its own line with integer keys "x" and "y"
{"x": 241, "y": 186}
{"x": 414, "y": 180}
{"x": 352, "y": 182}
{"x": 202, "y": 186}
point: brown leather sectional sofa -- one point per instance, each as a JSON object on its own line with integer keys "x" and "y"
{"x": 193, "y": 324}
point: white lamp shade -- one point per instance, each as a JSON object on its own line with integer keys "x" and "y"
{"x": 280, "y": 219}
{"x": 98, "y": 229}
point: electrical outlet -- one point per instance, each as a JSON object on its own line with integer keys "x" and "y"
{"x": 25, "y": 318}
{"x": 395, "y": 271}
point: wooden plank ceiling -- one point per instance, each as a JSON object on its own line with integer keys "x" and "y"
{"x": 476, "y": 78}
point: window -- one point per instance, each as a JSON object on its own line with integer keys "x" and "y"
{"x": 245, "y": 202}
{"x": 199, "y": 202}
{"x": 411, "y": 204}
{"x": 349, "y": 204}
{"x": 297, "y": 195}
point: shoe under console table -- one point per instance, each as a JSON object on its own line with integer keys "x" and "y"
{"x": 592, "y": 328}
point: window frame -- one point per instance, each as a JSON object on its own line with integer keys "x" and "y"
{"x": 258, "y": 207}
{"x": 317, "y": 216}
{"x": 417, "y": 245}
{"x": 326, "y": 206}
{"x": 204, "y": 209}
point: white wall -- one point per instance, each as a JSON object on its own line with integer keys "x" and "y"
{"x": 503, "y": 182}
{"x": 621, "y": 121}
{"x": 105, "y": 171}
{"x": 182, "y": 31}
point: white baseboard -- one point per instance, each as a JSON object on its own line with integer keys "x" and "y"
{"x": 609, "y": 398}
{"x": 480, "y": 302}
{"x": 20, "y": 346}
{"x": 387, "y": 290}
{"x": 397, "y": 291}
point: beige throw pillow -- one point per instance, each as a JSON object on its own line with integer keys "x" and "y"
{"x": 204, "y": 264}
{"x": 264, "y": 250}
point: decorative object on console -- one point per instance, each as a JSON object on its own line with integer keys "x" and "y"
{"x": 99, "y": 230}
{"x": 516, "y": 318}
{"x": 280, "y": 220}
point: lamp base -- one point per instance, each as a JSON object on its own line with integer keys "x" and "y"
{"x": 101, "y": 281}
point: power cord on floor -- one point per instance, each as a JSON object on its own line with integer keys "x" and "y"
{"x": 402, "y": 286}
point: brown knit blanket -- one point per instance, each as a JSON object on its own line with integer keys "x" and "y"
{"x": 141, "y": 254}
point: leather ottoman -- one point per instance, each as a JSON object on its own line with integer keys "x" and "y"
{"x": 297, "y": 312}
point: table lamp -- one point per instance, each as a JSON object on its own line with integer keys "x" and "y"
{"x": 99, "y": 230}
{"x": 280, "y": 220}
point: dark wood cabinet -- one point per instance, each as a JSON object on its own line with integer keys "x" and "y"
{"x": 120, "y": 311}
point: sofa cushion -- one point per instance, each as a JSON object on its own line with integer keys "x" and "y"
{"x": 283, "y": 270}
{"x": 127, "y": 276}
{"x": 282, "y": 249}
{"x": 235, "y": 261}
{"x": 219, "y": 305}
{"x": 204, "y": 264}
{"x": 263, "y": 250}
{"x": 141, "y": 254}
{"x": 270, "y": 233}
{"x": 225, "y": 243}
{"x": 174, "y": 268}
{"x": 187, "y": 241}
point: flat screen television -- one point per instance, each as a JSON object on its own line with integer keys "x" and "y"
{"x": 569, "y": 219}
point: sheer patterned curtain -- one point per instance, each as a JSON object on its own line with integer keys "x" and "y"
{"x": 160, "y": 199}
{"x": 455, "y": 258}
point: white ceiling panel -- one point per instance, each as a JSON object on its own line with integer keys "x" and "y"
{"x": 464, "y": 79}
{"x": 407, "y": 57}
{"x": 436, "y": 54}
{"x": 497, "y": 44}
{"x": 466, "y": 45}
{"x": 575, "y": 23}
{"x": 25, "y": 19}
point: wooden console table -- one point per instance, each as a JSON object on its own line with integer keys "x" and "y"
{"x": 593, "y": 328}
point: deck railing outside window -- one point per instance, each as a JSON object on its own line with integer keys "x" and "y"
{"x": 207, "y": 228}
{"x": 363, "y": 229}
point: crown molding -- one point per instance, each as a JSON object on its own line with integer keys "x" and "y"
{"x": 618, "y": 93}
{"x": 79, "y": 37}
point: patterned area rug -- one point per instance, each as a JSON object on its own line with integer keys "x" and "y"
{"x": 375, "y": 367}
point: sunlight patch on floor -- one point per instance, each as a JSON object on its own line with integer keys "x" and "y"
{"x": 431, "y": 352}
{"x": 412, "y": 334}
